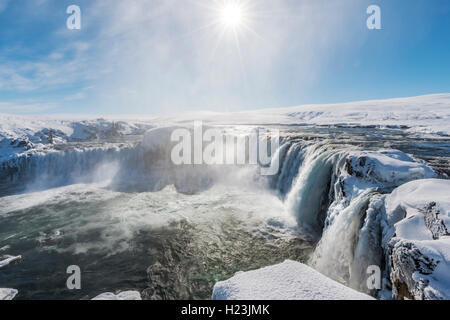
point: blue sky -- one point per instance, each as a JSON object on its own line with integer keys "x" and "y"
{"x": 167, "y": 56}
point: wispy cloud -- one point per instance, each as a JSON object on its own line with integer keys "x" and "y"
{"x": 158, "y": 56}
{"x": 25, "y": 107}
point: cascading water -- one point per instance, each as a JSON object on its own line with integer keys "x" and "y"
{"x": 335, "y": 197}
{"x": 308, "y": 196}
{"x": 183, "y": 228}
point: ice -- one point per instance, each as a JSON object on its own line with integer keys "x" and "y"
{"x": 287, "y": 281}
{"x": 31, "y": 134}
{"x": 7, "y": 259}
{"x": 8, "y": 294}
{"x": 125, "y": 295}
{"x": 349, "y": 243}
{"x": 417, "y": 234}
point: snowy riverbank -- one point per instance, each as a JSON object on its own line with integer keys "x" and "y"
{"x": 287, "y": 281}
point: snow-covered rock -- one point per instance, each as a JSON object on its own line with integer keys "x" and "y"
{"x": 125, "y": 295}
{"x": 417, "y": 237}
{"x": 350, "y": 243}
{"x": 8, "y": 294}
{"x": 22, "y": 134}
{"x": 386, "y": 168}
{"x": 287, "y": 281}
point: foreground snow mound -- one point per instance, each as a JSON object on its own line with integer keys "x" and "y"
{"x": 418, "y": 239}
{"x": 287, "y": 281}
{"x": 8, "y": 294}
{"x": 126, "y": 295}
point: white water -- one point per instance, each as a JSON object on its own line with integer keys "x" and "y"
{"x": 123, "y": 191}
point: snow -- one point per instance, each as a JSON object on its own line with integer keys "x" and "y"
{"x": 411, "y": 197}
{"x": 349, "y": 241}
{"x": 424, "y": 115}
{"x": 417, "y": 228}
{"x": 18, "y": 134}
{"x": 8, "y": 294}
{"x": 125, "y": 295}
{"x": 158, "y": 138}
{"x": 8, "y": 259}
{"x": 429, "y": 114}
{"x": 287, "y": 281}
{"x": 391, "y": 167}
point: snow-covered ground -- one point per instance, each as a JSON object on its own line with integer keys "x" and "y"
{"x": 7, "y": 294}
{"x": 429, "y": 114}
{"x": 423, "y": 115}
{"x": 287, "y": 281}
{"x": 21, "y": 135}
{"x": 125, "y": 295}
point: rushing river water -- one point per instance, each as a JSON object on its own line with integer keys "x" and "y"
{"x": 162, "y": 242}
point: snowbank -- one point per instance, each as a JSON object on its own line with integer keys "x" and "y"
{"x": 8, "y": 294}
{"x": 287, "y": 281}
{"x": 125, "y": 295}
{"x": 418, "y": 240}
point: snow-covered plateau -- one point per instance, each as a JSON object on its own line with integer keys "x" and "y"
{"x": 359, "y": 185}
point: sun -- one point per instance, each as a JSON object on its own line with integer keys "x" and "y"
{"x": 232, "y": 15}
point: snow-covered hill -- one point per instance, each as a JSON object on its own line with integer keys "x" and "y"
{"x": 424, "y": 114}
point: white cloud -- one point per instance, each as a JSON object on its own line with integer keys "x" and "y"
{"x": 157, "y": 56}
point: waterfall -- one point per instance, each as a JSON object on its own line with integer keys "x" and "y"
{"x": 57, "y": 168}
{"x": 308, "y": 196}
{"x": 336, "y": 193}
{"x": 335, "y": 251}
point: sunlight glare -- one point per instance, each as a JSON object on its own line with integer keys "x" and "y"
{"x": 232, "y": 15}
